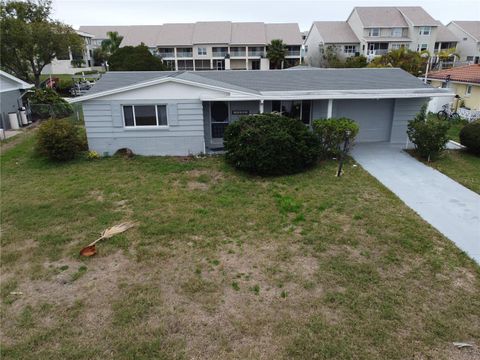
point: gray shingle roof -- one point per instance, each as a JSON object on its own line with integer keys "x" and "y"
{"x": 471, "y": 27}
{"x": 208, "y": 32}
{"x": 417, "y": 16}
{"x": 444, "y": 34}
{"x": 378, "y": 16}
{"x": 336, "y": 32}
{"x": 311, "y": 79}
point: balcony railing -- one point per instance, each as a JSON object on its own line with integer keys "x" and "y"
{"x": 256, "y": 53}
{"x": 237, "y": 53}
{"x": 377, "y": 52}
{"x": 164, "y": 55}
{"x": 184, "y": 54}
{"x": 293, "y": 53}
{"x": 219, "y": 53}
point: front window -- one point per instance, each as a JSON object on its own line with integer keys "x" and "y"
{"x": 397, "y": 32}
{"x": 398, "y": 46}
{"x": 202, "y": 51}
{"x": 425, "y": 30}
{"x": 374, "y": 32}
{"x": 145, "y": 115}
{"x": 422, "y": 47}
{"x": 349, "y": 49}
{"x": 468, "y": 90}
{"x": 296, "y": 109}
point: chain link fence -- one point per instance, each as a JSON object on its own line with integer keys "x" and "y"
{"x": 73, "y": 112}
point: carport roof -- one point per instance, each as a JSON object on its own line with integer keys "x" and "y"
{"x": 260, "y": 84}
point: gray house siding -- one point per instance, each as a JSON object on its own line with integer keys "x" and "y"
{"x": 319, "y": 109}
{"x": 404, "y": 111}
{"x": 8, "y": 101}
{"x": 374, "y": 117}
{"x": 107, "y": 134}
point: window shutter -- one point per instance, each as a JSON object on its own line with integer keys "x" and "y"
{"x": 172, "y": 114}
{"x": 117, "y": 116}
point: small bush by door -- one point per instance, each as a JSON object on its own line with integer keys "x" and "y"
{"x": 332, "y": 133}
{"x": 270, "y": 144}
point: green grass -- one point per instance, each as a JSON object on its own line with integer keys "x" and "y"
{"x": 461, "y": 166}
{"x": 222, "y": 265}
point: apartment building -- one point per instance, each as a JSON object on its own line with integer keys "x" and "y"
{"x": 373, "y": 31}
{"x": 468, "y": 33}
{"x": 72, "y": 62}
{"x": 216, "y": 45}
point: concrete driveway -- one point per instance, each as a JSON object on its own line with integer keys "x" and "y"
{"x": 448, "y": 206}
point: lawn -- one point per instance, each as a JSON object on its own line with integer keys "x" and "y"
{"x": 223, "y": 265}
{"x": 461, "y": 166}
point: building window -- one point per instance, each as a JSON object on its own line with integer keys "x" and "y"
{"x": 422, "y": 47}
{"x": 468, "y": 90}
{"x": 145, "y": 115}
{"x": 374, "y": 32}
{"x": 306, "y": 49}
{"x": 425, "y": 30}
{"x": 469, "y": 58}
{"x": 349, "y": 49}
{"x": 219, "y": 118}
{"x": 202, "y": 65}
{"x": 202, "y": 51}
{"x": 296, "y": 109}
{"x": 397, "y": 32}
{"x": 444, "y": 85}
{"x": 465, "y": 39}
{"x": 398, "y": 46}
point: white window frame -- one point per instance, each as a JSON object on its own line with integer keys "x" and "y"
{"x": 397, "y": 32}
{"x": 372, "y": 30}
{"x": 135, "y": 126}
{"x": 396, "y": 46}
{"x": 203, "y": 52}
{"x": 422, "y": 47}
{"x": 468, "y": 90}
{"x": 425, "y": 30}
{"x": 349, "y": 49}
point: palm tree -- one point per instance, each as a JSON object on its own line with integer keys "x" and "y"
{"x": 113, "y": 42}
{"x": 276, "y": 52}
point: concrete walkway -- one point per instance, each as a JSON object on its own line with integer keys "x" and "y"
{"x": 448, "y": 206}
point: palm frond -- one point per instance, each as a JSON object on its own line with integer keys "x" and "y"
{"x": 117, "y": 229}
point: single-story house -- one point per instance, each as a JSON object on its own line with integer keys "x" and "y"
{"x": 464, "y": 81}
{"x": 181, "y": 113}
{"x": 11, "y": 88}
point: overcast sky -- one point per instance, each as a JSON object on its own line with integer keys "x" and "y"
{"x": 150, "y": 12}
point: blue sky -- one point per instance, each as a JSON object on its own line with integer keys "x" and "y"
{"x": 133, "y": 12}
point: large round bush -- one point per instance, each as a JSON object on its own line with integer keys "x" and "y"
{"x": 269, "y": 144}
{"x": 46, "y": 103}
{"x": 470, "y": 137}
{"x": 60, "y": 140}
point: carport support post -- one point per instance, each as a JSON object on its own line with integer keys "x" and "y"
{"x": 261, "y": 107}
{"x": 330, "y": 108}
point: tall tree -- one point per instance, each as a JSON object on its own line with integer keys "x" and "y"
{"x": 113, "y": 42}
{"x": 135, "y": 58}
{"x": 31, "y": 39}
{"x": 408, "y": 60}
{"x": 276, "y": 52}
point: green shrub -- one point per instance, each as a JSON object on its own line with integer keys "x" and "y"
{"x": 470, "y": 137}
{"x": 46, "y": 103}
{"x": 429, "y": 135}
{"x": 60, "y": 140}
{"x": 269, "y": 144}
{"x": 332, "y": 133}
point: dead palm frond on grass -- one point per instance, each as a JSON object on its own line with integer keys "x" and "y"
{"x": 90, "y": 249}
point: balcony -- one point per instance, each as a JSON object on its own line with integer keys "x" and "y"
{"x": 184, "y": 52}
{"x": 219, "y": 53}
{"x": 238, "y": 52}
{"x": 293, "y": 53}
{"x": 253, "y": 53}
{"x": 164, "y": 55}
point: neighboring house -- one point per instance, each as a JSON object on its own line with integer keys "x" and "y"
{"x": 468, "y": 33}
{"x": 464, "y": 81}
{"x": 11, "y": 90}
{"x": 374, "y": 31}
{"x": 70, "y": 62}
{"x": 335, "y": 34}
{"x": 221, "y": 45}
{"x": 381, "y": 29}
{"x": 182, "y": 113}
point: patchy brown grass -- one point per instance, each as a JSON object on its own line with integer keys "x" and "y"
{"x": 297, "y": 267}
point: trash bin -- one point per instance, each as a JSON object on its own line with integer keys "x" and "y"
{"x": 13, "y": 119}
{"x": 23, "y": 116}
